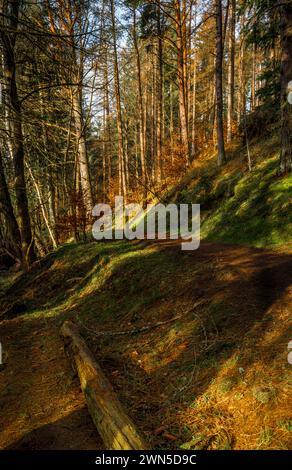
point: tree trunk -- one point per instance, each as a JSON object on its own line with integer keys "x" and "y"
{"x": 231, "y": 71}
{"x": 15, "y": 114}
{"x": 42, "y": 206}
{"x": 194, "y": 94}
{"x": 48, "y": 174}
{"x": 108, "y": 136}
{"x": 171, "y": 125}
{"x": 286, "y": 85}
{"x": 241, "y": 75}
{"x": 219, "y": 86}
{"x": 10, "y": 221}
{"x": 153, "y": 118}
{"x": 82, "y": 152}
{"x": 114, "y": 426}
{"x": 159, "y": 96}
{"x": 254, "y": 77}
{"x": 180, "y": 45}
{"x": 142, "y": 134}
{"x": 122, "y": 180}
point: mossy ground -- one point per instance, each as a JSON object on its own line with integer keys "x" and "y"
{"x": 237, "y": 206}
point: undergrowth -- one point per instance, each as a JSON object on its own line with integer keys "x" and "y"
{"x": 237, "y": 206}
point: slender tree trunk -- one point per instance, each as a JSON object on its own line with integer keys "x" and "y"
{"x": 10, "y": 221}
{"x": 108, "y": 127}
{"x": 126, "y": 154}
{"x": 42, "y": 205}
{"x": 241, "y": 99}
{"x": 122, "y": 181}
{"x": 159, "y": 84}
{"x": 194, "y": 95}
{"x": 104, "y": 152}
{"x": 286, "y": 85}
{"x": 82, "y": 152}
{"x": 231, "y": 71}
{"x": 185, "y": 46}
{"x": 219, "y": 86}
{"x": 48, "y": 175}
{"x": 142, "y": 134}
{"x": 180, "y": 18}
{"x": 15, "y": 114}
{"x": 194, "y": 108}
{"x": 254, "y": 77}
{"x": 137, "y": 134}
{"x": 146, "y": 114}
{"x": 171, "y": 126}
{"x": 153, "y": 118}
{"x": 213, "y": 102}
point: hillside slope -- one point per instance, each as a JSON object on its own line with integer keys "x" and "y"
{"x": 249, "y": 208}
{"x": 215, "y": 376}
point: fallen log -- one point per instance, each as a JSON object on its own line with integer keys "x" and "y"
{"x": 114, "y": 426}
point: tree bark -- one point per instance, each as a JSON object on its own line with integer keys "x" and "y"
{"x": 114, "y": 426}
{"x": 254, "y": 77}
{"x": 122, "y": 179}
{"x": 10, "y": 221}
{"x": 171, "y": 124}
{"x": 82, "y": 152}
{"x": 142, "y": 135}
{"x": 231, "y": 71}
{"x": 107, "y": 134}
{"x": 286, "y": 85}
{"x": 42, "y": 205}
{"x": 15, "y": 114}
{"x": 159, "y": 84}
{"x": 219, "y": 86}
{"x": 181, "y": 72}
{"x": 194, "y": 93}
{"x": 241, "y": 99}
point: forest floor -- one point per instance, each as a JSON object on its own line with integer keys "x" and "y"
{"x": 216, "y": 376}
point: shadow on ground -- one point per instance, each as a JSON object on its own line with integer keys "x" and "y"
{"x": 172, "y": 379}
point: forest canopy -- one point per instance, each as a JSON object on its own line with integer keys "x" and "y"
{"x": 104, "y": 98}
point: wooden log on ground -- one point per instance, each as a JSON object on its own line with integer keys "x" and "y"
{"x": 114, "y": 426}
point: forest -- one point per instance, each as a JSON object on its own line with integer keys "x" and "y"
{"x": 160, "y": 102}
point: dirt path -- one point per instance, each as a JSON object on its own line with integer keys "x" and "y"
{"x": 41, "y": 406}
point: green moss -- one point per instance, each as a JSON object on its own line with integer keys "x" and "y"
{"x": 258, "y": 214}
{"x": 227, "y": 384}
{"x": 264, "y": 394}
{"x": 241, "y": 207}
{"x": 285, "y": 425}
{"x": 265, "y": 437}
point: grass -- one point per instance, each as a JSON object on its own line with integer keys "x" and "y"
{"x": 217, "y": 371}
{"x": 248, "y": 208}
